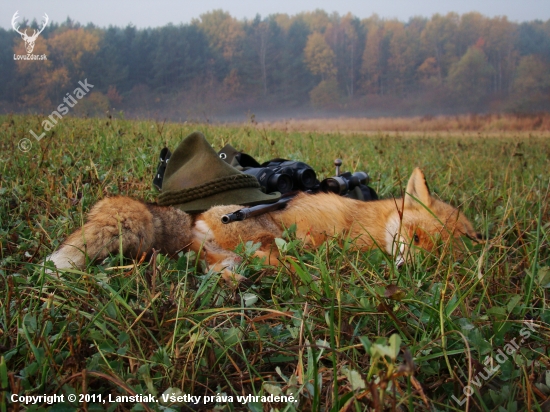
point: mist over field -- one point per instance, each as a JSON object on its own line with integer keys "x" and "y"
{"x": 307, "y": 65}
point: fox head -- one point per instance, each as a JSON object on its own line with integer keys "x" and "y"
{"x": 425, "y": 222}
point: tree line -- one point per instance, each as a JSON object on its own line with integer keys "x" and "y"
{"x": 448, "y": 62}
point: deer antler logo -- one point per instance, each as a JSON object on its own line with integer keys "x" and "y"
{"x": 29, "y": 40}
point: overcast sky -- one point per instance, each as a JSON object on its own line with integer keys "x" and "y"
{"x": 143, "y": 13}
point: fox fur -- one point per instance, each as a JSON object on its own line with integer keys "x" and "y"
{"x": 393, "y": 225}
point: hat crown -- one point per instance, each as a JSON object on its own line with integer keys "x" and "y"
{"x": 193, "y": 163}
{"x": 197, "y": 179}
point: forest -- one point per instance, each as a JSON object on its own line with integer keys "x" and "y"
{"x": 312, "y": 62}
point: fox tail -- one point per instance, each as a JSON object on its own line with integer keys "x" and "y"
{"x": 128, "y": 223}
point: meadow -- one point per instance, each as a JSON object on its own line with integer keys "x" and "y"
{"x": 342, "y": 331}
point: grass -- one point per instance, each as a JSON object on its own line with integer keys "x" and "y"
{"x": 342, "y": 331}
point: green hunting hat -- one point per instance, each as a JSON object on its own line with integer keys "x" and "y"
{"x": 197, "y": 179}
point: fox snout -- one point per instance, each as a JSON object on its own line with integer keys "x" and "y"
{"x": 414, "y": 239}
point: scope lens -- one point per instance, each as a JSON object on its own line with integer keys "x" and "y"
{"x": 335, "y": 185}
{"x": 306, "y": 177}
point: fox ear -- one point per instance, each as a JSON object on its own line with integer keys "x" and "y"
{"x": 417, "y": 188}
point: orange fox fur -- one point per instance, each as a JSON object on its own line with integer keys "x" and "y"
{"x": 392, "y": 225}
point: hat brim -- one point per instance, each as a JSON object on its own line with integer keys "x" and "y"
{"x": 241, "y": 197}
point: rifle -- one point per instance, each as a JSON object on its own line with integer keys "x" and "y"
{"x": 354, "y": 185}
{"x": 257, "y": 210}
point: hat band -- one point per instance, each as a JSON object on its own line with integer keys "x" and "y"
{"x": 222, "y": 184}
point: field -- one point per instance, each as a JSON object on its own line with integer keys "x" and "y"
{"x": 489, "y": 124}
{"x": 343, "y": 331}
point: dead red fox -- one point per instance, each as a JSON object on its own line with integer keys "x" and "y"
{"x": 392, "y": 225}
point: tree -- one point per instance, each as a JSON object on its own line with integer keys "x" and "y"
{"x": 500, "y": 38}
{"x": 319, "y": 57}
{"x": 296, "y": 79}
{"x": 8, "y": 86}
{"x": 71, "y": 48}
{"x": 262, "y": 38}
{"x": 531, "y": 87}
{"x": 317, "y": 20}
{"x": 398, "y": 59}
{"x": 534, "y": 38}
{"x": 141, "y": 60}
{"x": 259, "y": 66}
{"x": 471, "y": 28}
{"x": 469, "y": 79}
{"x": 427, "y": 72}
{"x": 342, "y": 35}
{"x": 224, "y": 33}
{"x": 41, "y": 80}
{"x": 188, "y": 48}
{"x": 374, "y": 62}
{"x": 109, "y": 67}
{"x": 439, "y": 38}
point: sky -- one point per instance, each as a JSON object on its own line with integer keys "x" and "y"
{"x": 147, "y": 13}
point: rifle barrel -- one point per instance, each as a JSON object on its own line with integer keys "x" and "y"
{"x": 257, "y": 210}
